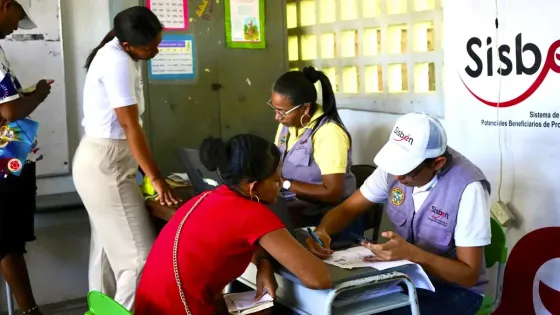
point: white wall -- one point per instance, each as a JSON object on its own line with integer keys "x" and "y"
{"x": 57, "y": 260}
{"x": 369, "y": 131}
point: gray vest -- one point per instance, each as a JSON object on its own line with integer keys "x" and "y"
{"x": 432, "y": 227}
{"x": 299, "y": 164}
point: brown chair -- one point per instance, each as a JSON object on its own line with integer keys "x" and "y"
{"x": 372, "y": 218}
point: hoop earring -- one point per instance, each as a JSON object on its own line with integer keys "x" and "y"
{"x": 256, "y": 197}
{"x": 301, "y": 120}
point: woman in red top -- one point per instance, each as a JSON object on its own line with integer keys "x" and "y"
{"x": 227, "y": 229}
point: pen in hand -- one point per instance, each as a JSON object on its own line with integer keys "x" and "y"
{"x": 315, "y": 237}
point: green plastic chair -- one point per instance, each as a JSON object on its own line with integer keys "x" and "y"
{"x": 494, "y": 253}
{"x": 100, "y": 304}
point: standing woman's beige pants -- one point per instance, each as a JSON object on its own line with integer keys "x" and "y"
{"x": 104, "y": 173}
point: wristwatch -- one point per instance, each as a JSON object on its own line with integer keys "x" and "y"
{"x": 287, "y": 184}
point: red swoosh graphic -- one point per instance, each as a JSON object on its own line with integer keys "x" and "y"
{"x": 550, "y": 298}
{"x": 528, "y": 255}
{"x": 549, "y": 64}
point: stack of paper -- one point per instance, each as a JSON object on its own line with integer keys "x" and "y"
{"x": 244, "y": 303}
{"x": 354, "y": 258}
{"x": 176, "y": 180}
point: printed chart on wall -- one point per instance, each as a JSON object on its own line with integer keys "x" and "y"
{"x": 245, "y": 24}
{"x": 173, "y": 14}
{"x": 176, "y": 59}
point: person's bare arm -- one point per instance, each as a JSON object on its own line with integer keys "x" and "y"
{"x": 341, "y": 216}
{"x": 19, "y": 108}
{"x": 463, "y": 271}
{"x": 25, "y": 104}
{"x": 128, "y": 119}
{"x": 312, "y": 272}
{"x": 331, "y": 190}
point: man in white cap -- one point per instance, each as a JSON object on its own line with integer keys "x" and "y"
{"x": 438, "y": 203}
{"x": 17, "y": 193}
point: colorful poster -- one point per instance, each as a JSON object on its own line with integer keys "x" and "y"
{"x": 501, "y": 111}
{"x": 245, "y": 24}
{"x": 176, "y": 59}
{"x": 16, "y": 139}
{"x": 173, "y": 14}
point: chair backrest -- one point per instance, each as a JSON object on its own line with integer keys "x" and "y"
{"x": 374, "y": 215}
{"x": 362, "y": 172}
{"x": 100, "y": 304}
{"x": 496, "y": 252}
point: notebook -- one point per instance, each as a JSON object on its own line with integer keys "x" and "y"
{"x": 244, "y": 303}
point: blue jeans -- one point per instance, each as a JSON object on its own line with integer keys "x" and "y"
{"x": 447, "y": 299}
{"x": 356, "y": 227}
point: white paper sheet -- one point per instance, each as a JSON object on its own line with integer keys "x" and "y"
{"x": 354, "y": 258}
{"x": 179, "y": 177}
{"x": 238, "y": 302}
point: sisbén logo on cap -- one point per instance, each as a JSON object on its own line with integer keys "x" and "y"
{"x": 401, "y": 136}
{"x": 415, "y": 138}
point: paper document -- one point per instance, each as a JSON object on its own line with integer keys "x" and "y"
{"x": 354, "y": 258}
{"x": 244, "y": 303}
{"x": 179, "y": 177}
{"x": 176, "y": 180}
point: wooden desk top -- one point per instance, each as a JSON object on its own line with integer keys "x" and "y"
{"x": 166, "y": 212}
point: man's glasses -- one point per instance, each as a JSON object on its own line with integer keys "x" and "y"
{"x": 283, "y": 114}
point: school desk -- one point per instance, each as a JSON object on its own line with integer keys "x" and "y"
{"x": 291, "y": 293}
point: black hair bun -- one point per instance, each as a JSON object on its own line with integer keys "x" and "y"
{"x": 312, "y": 74}
{"x": 212, "y": 153}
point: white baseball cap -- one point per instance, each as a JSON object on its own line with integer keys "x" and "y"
{"x": 26, "y": 23}
{"x": 415, "y": 137}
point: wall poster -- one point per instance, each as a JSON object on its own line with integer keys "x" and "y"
{"x": 173, "y": 14}
{"x": 176, "y": 59}
{"x": 245, "y": 24}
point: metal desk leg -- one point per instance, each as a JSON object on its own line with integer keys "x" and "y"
{"x": 9, "y": 299}
{"x": 412, "y": 298}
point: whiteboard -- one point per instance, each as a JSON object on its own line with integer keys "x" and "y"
{"x": 37, "y": 57}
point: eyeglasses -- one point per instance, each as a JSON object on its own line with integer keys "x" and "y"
{"x": 282, "y": 113}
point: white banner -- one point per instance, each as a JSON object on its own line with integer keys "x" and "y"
{"x": 523, "y": 104}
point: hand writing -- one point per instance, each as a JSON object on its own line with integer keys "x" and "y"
{"x": 316, "y": 249}
{"x": 396, "y": 248}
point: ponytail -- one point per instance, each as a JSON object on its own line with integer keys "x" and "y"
{"x": 109, "y": 37}
{"x": 329, "y": 100}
